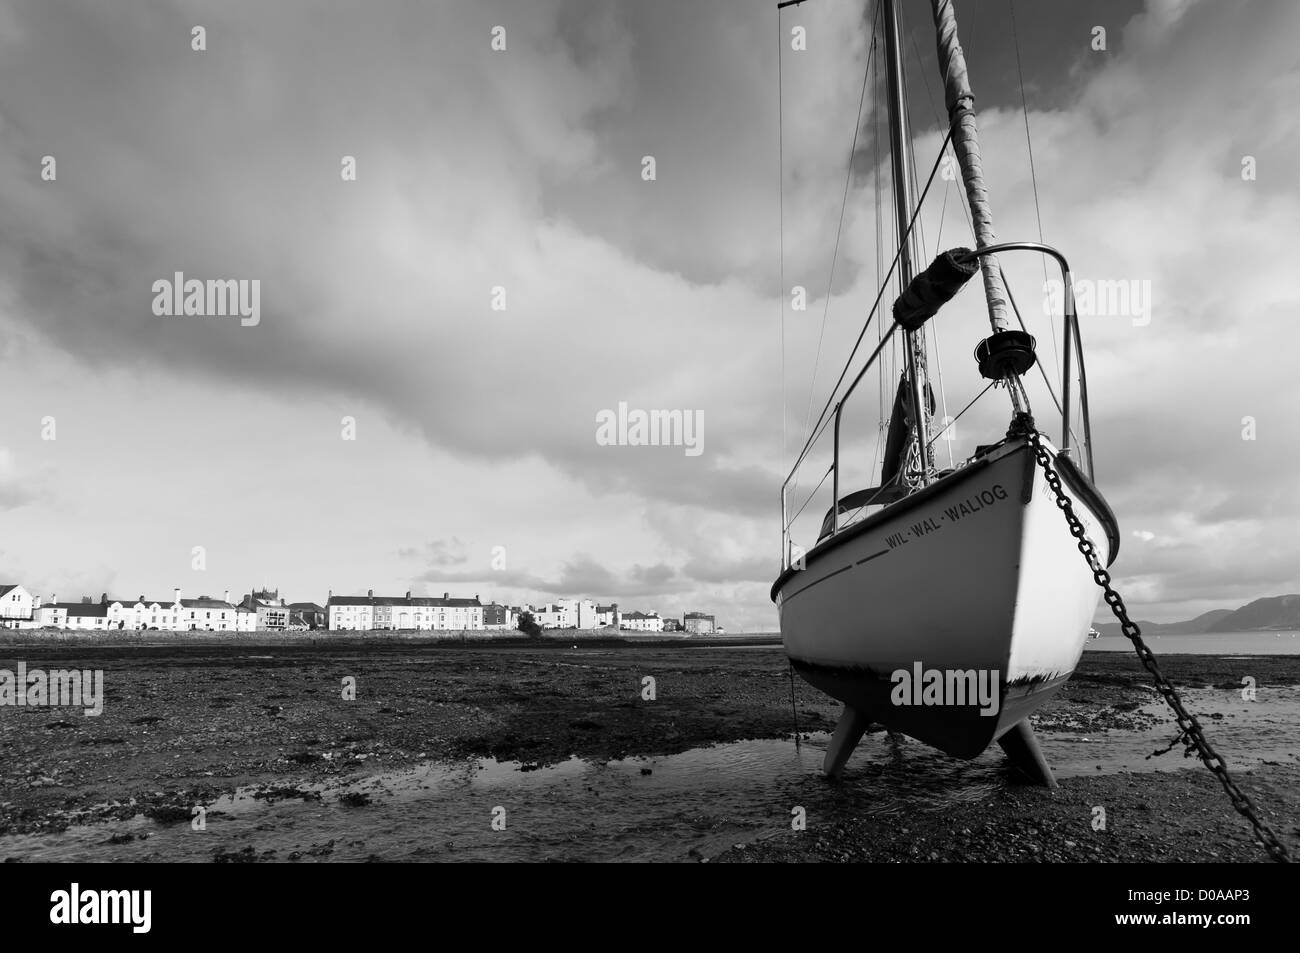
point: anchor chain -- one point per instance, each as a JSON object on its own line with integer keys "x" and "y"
{"x": 1189, "y": 727}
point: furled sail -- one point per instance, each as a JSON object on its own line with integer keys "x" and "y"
{"x": 902, "y": 431}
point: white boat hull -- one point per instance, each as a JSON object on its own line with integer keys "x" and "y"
{"x": 978, "y": 573}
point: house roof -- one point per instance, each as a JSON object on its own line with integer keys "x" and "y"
{"x": 306, "y": 607}
{"x": 698, "y": 615}
{"x": 403, "y": 601}
{"x": 86, "y": 608}
{"x": 5, "y": 590}
{"x": 205, "y": 602}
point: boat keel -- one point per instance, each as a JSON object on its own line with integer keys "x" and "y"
{"x": 848, "y": 732}
{"x": 1022, "y": 750}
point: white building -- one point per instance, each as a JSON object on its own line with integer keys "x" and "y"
{"x": 74, "y": 615}
{"x": 607, "y": 615}
{"x": 142, "y": 613}
{"x": 108, "y": 614}
{"x": 87, "y": 615}
{"x": 368, "y": 612}
{"x": 52, "y": 615}
{"x": 17, "y": 607}
{"x": 352, "y": 613}
{"x": 568, "y": 614}
{"x": 642, "y": 622}
{"x": 139, "y": 614}
{"x": 208, "y": 614}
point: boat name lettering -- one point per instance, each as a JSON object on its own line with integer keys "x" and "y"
{"x": 951, "y": 514}
{"x": 975, "y": 503}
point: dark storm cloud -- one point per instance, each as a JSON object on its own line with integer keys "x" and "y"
{"x": 581, "y": 575}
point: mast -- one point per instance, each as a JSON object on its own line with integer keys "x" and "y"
{"x": 966, "y": 144}
{"x": 902, "y": 174}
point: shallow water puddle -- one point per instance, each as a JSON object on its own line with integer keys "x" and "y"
{"x": 664, "y": 808}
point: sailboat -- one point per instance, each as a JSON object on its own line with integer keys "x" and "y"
{"x": 922, "y": 590}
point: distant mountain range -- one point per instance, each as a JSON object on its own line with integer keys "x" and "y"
{"x": 1273, "y": 612}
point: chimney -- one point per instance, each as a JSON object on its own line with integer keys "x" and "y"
{"x": 370, "y": 593}
{"x": 331, "y": 595}
{"x": 53, "y": 599}
{"x": 85, "y": 600}
{"x": 446, "y": 595}
{"x": 142, "y": 597}
{"x": 176, "y": 595}
{"x": 103, "y": 598}
{"x": 225, "y": 597}
{"x": 408, "y": 593}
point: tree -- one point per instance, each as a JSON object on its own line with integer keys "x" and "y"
{"x": 528, "y": 625}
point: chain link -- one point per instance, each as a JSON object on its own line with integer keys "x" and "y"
{"x": 1190, "y": 731}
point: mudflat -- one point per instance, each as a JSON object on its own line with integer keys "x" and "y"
{"x": 184, "y": 724}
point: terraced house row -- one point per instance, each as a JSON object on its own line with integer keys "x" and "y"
{"x": 259, "y": 611}
{"x": 265, "y": 610}
{"x": 175, "y": 614}
{"x": 364, "y": 613}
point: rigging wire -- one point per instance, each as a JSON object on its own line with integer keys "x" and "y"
{"x": 822, "y": 418}
{"x": 963, "y": 410}
{"x": 966, "y": 211}
{"x": 1033, "y": 175}
{"x": 839, "y": 230}
{"x": 943, "y": 209}
{"x": 878, "y": 457}
{"x": 1046, "y": 380}
{"x": 780, "y": 191}
{"x": 822, "y": 427}
{"x": 931, "y": 330}
{"x": 943, "y": 394}
{"x": 820, "y": 484}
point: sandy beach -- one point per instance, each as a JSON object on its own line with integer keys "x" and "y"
{"x": 186, "y": 725}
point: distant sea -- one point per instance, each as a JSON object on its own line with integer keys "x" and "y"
{"x": 1210, "y": 643}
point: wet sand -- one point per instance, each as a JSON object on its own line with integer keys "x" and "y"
{"x": 186, "y": 724}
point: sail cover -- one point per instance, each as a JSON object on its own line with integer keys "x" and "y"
{"x": 933, "y": 288}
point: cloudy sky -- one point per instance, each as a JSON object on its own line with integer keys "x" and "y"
{"x": 522, "y": 169}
